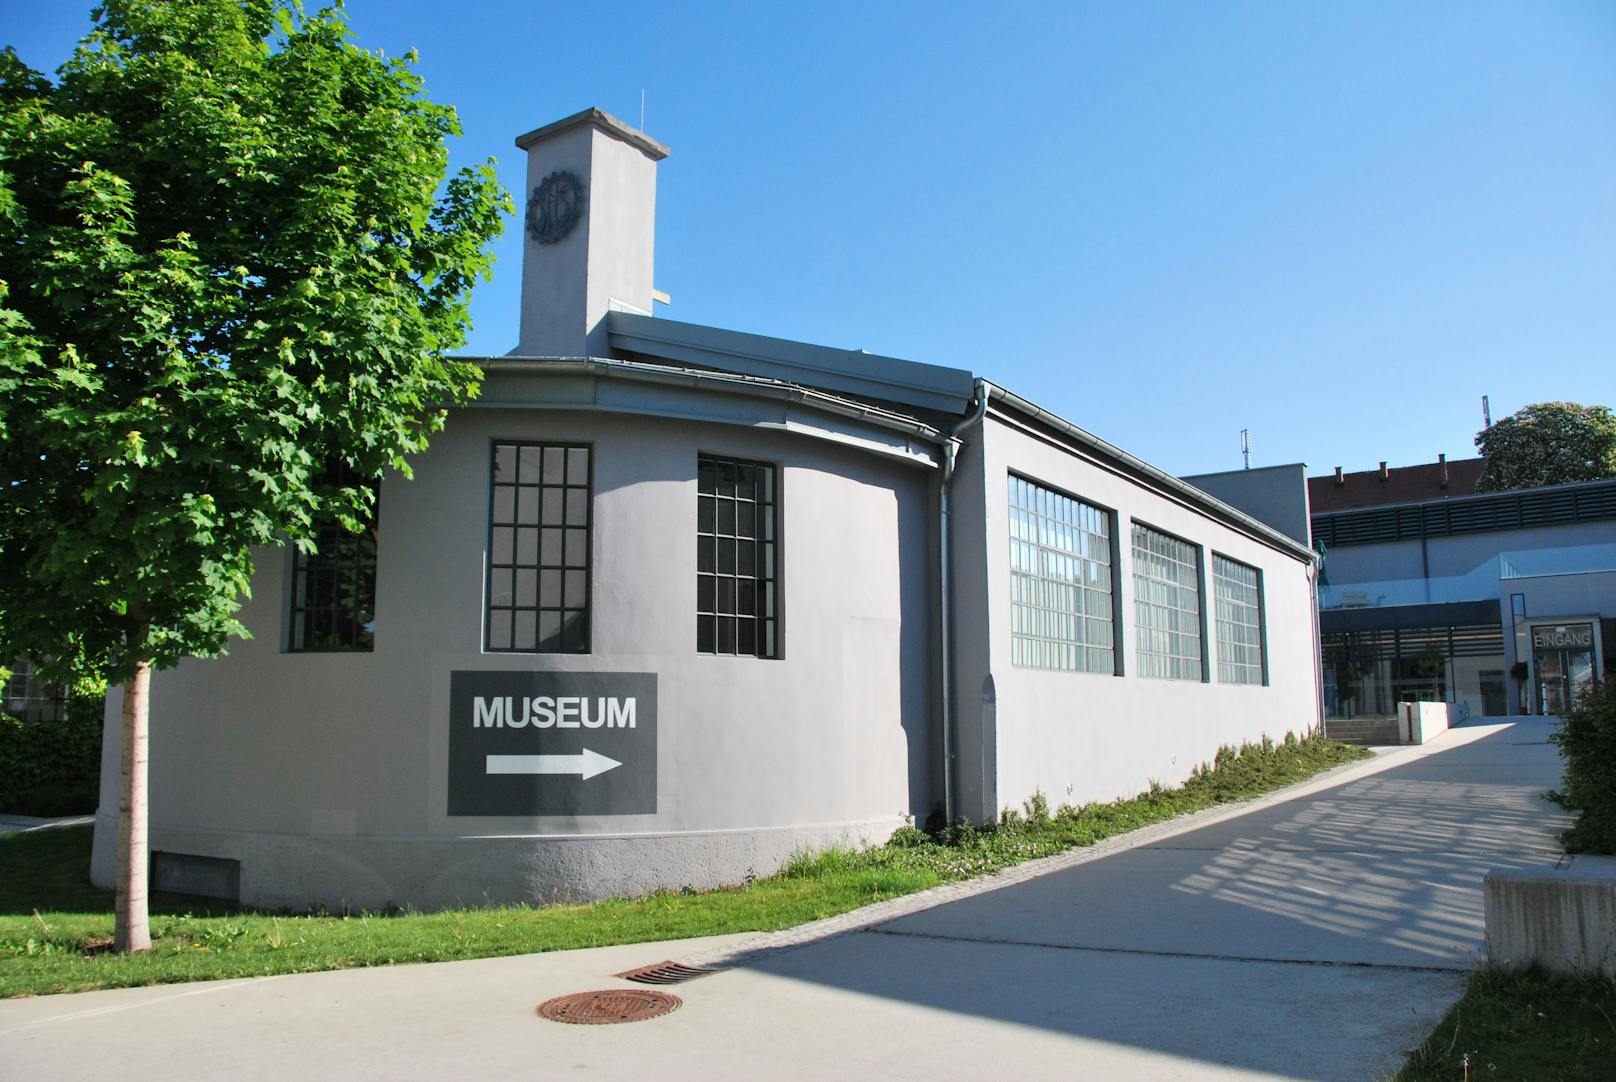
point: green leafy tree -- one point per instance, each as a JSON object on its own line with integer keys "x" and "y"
{"x": 1550, "y": 443}
{"x": 230, "y": 260}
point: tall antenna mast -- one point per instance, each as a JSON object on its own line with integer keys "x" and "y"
{"x": 642, "y": 108}
{"x": 1245, "y": 445}
{"x": 1486, "y": 413}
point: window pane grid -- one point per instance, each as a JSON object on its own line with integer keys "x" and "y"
{"x": 1167, "y": 605}
{"x": 539, "y": 548}
{"x": 334, "y": 587}
{"x": 1060, "y": 581}
{"x": 1238, "y": 589}
{"x": 737, "y": 572}
{"x": 27, "y": 698}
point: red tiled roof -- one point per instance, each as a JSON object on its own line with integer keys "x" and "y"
{"x": 1403, "y": 484}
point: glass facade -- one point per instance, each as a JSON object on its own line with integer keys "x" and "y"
{"x": 737, "y": 568}
{"x": 1367, "y": 673}
{"x": 1062, "y": 614}
{"x": 334, "y": 587}
{"x": 1238, "y": 590}
{"x": 538, "y": 548}
{"x": 1167, "y": 605}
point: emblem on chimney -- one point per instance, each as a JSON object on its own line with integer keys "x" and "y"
{"x": 555, "y": 207}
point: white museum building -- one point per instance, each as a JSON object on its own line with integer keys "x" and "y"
{"x": 669, "y": 603}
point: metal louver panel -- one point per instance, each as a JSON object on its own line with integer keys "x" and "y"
{"x": 1584, "y": 502}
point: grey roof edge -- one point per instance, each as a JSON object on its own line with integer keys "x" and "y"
{"x": 910, "y": 382}
{"x": 607, "y": 123}
{"x": 1254, "y": 469}
{"x": 733, "y": 383}
{"x": 1469, "y": 497}
{"x": 1203, "y": 501}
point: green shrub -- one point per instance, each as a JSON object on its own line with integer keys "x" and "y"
{"x": 51, "y": 767}
{"x": 1587, "y": 742}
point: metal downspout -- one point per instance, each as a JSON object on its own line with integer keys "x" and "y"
{"x": 1318, "y": 646}
{"x": 945, "y": 597}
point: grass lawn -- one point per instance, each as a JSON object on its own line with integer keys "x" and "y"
{"x": 54, "y": 925}
{"x": 1532, "y": 1026}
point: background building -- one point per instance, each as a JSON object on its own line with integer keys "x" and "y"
{"x": 669, "y": 603}
{"x": 1502, "y": 601}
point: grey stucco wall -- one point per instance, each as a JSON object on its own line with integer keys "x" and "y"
{"x": 1079, "y": 737}
{"x": 325, "y": 774}
{"x": 1275, "y": 495}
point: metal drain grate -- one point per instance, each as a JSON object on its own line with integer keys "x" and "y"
{"x": 612, "y": 1005}
{"x": 669, "y": 972}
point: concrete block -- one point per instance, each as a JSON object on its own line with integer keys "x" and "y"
{"x": 1562, "y": 918}
{"x": 1420, "y": 722}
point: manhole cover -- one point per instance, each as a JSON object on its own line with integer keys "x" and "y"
{"x": 665, "y": 973}
{"x": 612, "y": 1005}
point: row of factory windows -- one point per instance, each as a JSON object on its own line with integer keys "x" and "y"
{"x": 1065, "y": 568}
{"x": 537, "y": 591}
{"x": 1062, "y": 560}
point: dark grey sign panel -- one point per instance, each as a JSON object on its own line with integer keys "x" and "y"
{"x": 552, "y": 743}
{"x": 1565, "y": 635}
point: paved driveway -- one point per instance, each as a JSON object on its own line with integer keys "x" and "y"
{"x": 1315, "y": 936}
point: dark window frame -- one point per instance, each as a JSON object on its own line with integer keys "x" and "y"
{"x": 302, "y": 629}
{"x": 1113, "y": 528}
{"x": 764, "y": 622}
{"x": 39, "y": 701}
{"x": 585, "y": 641}
{"x": 1262, "y": 623}
{"x": 1200, "y": 551}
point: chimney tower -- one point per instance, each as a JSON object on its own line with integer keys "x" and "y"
{"x": 588, "y": 233}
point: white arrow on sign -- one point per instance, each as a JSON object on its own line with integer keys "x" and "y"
{"x": 588, "y": 764}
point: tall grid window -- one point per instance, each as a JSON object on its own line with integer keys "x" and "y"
{"x": 1240, "y": 634}
{"x": 1167, "y": 605}
{"x": 538, "y": 548}
{"x": 28, "y": 698}
{"x": 1061, "y": 612}
{"x": 334, "y": 587}
{"x": 737, "y": 567}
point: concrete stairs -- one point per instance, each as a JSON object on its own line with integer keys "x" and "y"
{"x": 1363, "y": 730}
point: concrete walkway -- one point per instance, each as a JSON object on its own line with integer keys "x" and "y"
{"x": 1316, "y": 934}
{"x": 25, "y": 824}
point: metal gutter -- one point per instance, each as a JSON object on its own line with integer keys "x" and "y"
{"x": 757, "y": 386}
{"x": 1189, "y": 493}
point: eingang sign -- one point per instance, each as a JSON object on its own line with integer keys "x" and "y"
{"x": 1563, "y": 636}
{"x": 552, "y": 743}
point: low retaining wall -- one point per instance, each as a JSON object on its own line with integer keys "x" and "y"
{"x": 1424, "y": 721}
{"x": 1563, "y": 918}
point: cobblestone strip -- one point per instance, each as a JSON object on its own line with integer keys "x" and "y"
{"x": 766, "y": 944}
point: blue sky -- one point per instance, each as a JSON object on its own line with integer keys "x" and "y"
{"x": 1337, "y": 226}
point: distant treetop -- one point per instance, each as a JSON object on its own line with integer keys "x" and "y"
{"x": 1550, "y": 443}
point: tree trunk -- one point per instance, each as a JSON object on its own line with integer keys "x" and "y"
{"x": 132, "y": 931}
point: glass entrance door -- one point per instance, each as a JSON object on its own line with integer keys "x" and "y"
{"x": 1553, "y": 687}
{"x": 1563, "y": 662}
{"x": 1561, "y": 675}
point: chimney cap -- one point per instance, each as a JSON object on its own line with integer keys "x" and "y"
{"x": 607, "y": 123}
